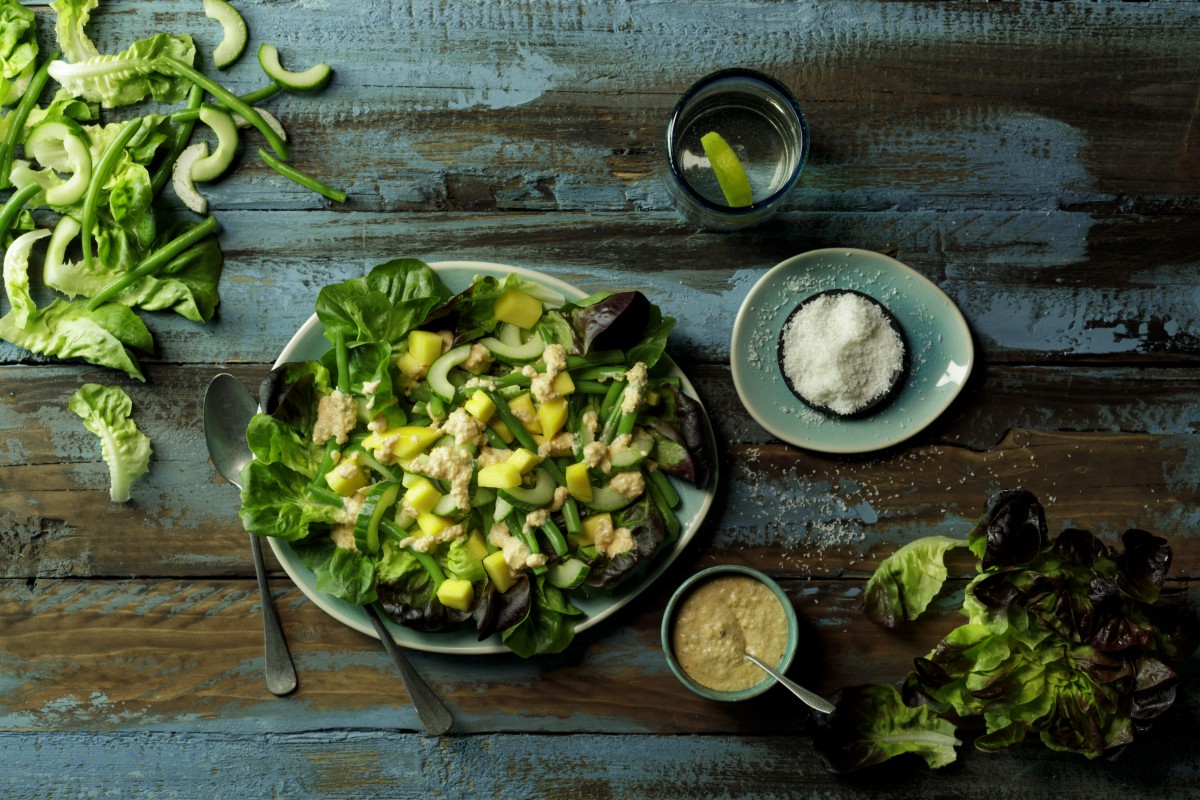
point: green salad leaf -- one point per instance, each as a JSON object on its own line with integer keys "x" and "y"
{"x": 18, "y": 50}
{"x": 1071, "y": 641}
{"x": 905, "y": 582}
{"x": 119, "y": 79}
{"x": 871, "y": 724}
{"x": 105, "y": 411}
{"x": 71, "y": 17}
{"x": 391, "y": 300}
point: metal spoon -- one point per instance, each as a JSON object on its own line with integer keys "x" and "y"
{"x": 228, "y": 408}
{"x": 812, "y": 699}
{"x": 238, "y": 406}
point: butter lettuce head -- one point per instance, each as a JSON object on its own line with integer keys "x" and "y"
{"x": 105, "y": 411}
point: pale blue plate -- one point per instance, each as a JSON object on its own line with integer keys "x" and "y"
{"x": 309, "y": 343}
{"x": 941, "y": 352}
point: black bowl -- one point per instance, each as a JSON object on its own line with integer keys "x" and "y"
{"x": 879, "y": 401}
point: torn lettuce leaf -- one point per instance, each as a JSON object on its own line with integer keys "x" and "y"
{"x": 105, "y": 411}
{"x": 871, "y": 724}
{"x": 120, "y": 79}
{"x": 906, "y": 582}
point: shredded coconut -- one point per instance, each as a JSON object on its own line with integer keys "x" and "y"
{"x": 840, "y": 352}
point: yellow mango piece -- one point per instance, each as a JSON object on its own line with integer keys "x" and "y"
{"x": 577, "y": 482}
{"x": 425, "y": 346}
{"x": 522, "y": 408}
{"x": 422, "y": 496}
{"x": 518, "y": 308}
{"x": 456, "y": 593}
{"x": 552, "y": 415}
{"x": 476, "y": 546}
{"x": 433, "y": 524}
{"x": 524, "y": 460}
{"x": 503, "y": 431}
{"x": 411, "y": 439}
{"x": 592, "y": 523}
{"x": 499, "y": 571}
{"x": 562, "y": 384}
{"x": 503, "y": 475}
{"x": 346, "y": 478}
{"x": 480, "y": 406}
{"x": 411, "y": 369}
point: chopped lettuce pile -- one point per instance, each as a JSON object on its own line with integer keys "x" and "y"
{"x": 93, "y": 185}
{"x": 1070, "y": 640}
{"x": 476, "y": 458}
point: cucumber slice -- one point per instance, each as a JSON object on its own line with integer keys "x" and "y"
{"x": 272, "y": 122}
{"x": 519, "y": 353}
{"x": 380, "y": 498}
{"x": 54, "y": 265}
{"x": 637, "y": 452}
{"x": 211, "y": 166}
{"x": 310, "y": 80}
{"x": 606, "y": 498}
{"x": 181, "y": 177}
{"x": 438, "y": 375}
{"x": 568, "y": 574}
{"x": 445, "y": 507}
{"x": 61, "y": 145}
{"x": 234, "y": 32}
{"x": 530, "y": 498}
{"x": 502, "y": 510}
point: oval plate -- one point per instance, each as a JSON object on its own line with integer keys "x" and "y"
{"x": 309, "y": 343}
{"x": 941, "y": 350}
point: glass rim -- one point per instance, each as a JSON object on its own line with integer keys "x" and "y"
{"x": 791, "y": 102}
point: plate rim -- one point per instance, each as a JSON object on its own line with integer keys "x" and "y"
{"x": 289, "y": 560}
{"x": 741, "y": 323}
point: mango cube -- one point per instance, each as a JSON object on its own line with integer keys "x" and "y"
{"x": 524, "y": 460}
{"x": 499, "y": 571}
{"x": 592, "y": 524}
{"x": 476, "y": 546}
{"x": 503, "y": 431}
{"x": 480, "y": 406}
{"x": 456, "y": 593}
{"x": 552, "y": 415}
{"x": 425, "y": 346}
{"x": 422, "y": 496}
{"x": 404, "y": 442}
{"x": 433, "y": 524}
{"x": 503, "y": 475}
{"x": 518, "y": 308}
{"x": 346, "y": 478}
{"x": 562, "y": 384}
{"x": 522, "y": 409}
{"x": 577, "y": 482}
{"x": 410, "y": 368}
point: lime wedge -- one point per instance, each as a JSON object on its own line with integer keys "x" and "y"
{"x": 728, "y": 169}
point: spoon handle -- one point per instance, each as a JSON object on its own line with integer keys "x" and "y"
{"x": 430, "y": 710}
{"x": 812, "y": 699}
{"x": 281, "y": 674}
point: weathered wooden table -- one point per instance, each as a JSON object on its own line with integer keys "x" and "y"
{"x": 1040, "y": 162}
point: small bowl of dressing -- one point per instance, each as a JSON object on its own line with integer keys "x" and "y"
{"x": 715, "y": 617}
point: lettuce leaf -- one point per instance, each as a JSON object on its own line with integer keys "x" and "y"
{"x": 18, "y": 50}
{"x": 123, "y": 78}
{"x": 905, "y": 582}
{"x": 391, "y": 300}
{"x": 275, "y": 502}
{"x": 71, "y": 17}
{"x": 105, "y": 411}
{"x": 871, "y": 724}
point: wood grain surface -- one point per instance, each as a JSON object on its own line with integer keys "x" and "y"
{"x": 1039, "y": 162}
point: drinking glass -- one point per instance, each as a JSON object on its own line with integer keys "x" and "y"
{"x": 765, "y": 127}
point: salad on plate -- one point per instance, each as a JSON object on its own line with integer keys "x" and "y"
{"x": 491, "y": 460}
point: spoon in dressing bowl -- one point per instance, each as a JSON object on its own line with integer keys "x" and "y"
{"x": 228, "y": 407}
{"x": 812, "y": 699}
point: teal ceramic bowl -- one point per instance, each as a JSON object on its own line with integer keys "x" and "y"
{"x": 668, "y": 622}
